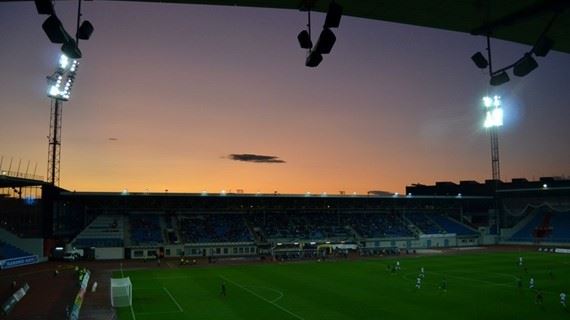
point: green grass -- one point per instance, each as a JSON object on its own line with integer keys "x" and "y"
{"x": 480, "y": 286}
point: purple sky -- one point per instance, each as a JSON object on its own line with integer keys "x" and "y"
{"x": 181, "y": 87}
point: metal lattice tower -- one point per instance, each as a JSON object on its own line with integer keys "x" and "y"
{"x": 54, "y": 151}
{"x": 495, "y": 164}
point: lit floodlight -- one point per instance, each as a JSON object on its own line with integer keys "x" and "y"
{"x": 525, "y": 66}
{"x": 204, "y": 193}
{"x": 61, "y": 82}
{"x": 487, "y": 102}
{"x": 494, "y": 113}
{"x": 544, "y": 186}
{"x": 125, "y": 192}
{"x": 63, "y": 61}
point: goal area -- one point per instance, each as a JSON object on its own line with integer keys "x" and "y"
{"x": 121, "y": 292}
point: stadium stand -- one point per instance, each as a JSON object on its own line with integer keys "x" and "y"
{"x": 8, "y": 251}
{"x": 560, "y": 222}
{"x": 424, "y": 223}
{"x": 376, "y": 225}
{"x": 104, "y": 231}
{"x": 213, "y": 228}
{"x": 298, "y": 226}
{"x": 145, "y": 229}
{"x": 452, "y": 226}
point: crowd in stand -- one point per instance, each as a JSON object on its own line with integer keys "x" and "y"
{"x": 145, "y": 229}
{"x": 214, "y": 228}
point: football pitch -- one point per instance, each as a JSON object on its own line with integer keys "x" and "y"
{"x": 479, "y": 286}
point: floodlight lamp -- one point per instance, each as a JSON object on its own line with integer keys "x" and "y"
{"x": 44, "y": 6}
{"x": 499, "y": 78}
{"x": 63, "y": 61}
{"x": 480, "y": 60}
{"x": 54, "y": 30}
{"x": 326, "y": 41}
{"x": 304, "y": 40}
{"x": 334, "y": 14}
{"x": 85, "y": 30}
{"x": 543, "y": 46}
{"x": 525, "y": 65}
{"x": 487, "y": 102}
{"x": 497, "y": 101}
{"x": 313, "y": 59}
{"x": 545, "y": 186}
{"x": 71, "y": 49}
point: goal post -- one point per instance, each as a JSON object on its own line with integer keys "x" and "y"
{"x": 121, "y": 292}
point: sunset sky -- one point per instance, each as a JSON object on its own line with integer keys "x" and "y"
{"x": 179, "y": 88}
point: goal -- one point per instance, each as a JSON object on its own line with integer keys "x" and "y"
{"x": 121, "y": 292}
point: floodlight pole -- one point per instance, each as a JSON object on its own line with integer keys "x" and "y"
{"x": 54, "y": 151}
{"x": 495, "y": 164}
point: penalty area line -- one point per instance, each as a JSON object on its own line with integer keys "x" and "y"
{"x": 262, "y": 298}
{"x": 173, "y": 300}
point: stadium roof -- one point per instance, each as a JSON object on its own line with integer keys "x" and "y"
{"x": 7, "y": 181}
{"x": 521, "y": 21}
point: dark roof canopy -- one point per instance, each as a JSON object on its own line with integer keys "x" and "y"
{"x": 521, "y": 21}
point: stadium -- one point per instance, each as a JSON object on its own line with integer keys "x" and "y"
{"x": 496, "y": 248}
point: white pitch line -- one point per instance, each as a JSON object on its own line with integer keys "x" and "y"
{"x": 173, "y": 300}
{"x": 132, "y": 311}
{"x": 262, "y": 298}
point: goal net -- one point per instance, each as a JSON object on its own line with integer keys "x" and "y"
{"x": 121, "y": 292}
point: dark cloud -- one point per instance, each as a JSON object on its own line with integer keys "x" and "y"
{"x": 257, "y": 158}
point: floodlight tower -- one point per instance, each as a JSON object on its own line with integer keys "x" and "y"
{"x": 59, "y": 90}
{"x": 494, "y": 120}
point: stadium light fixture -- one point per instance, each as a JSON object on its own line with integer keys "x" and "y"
{"x": 61, "y": 81}
{"x": 71, "y": 49}
{"x": 334, "y": 14}
{"x": 525, "y": 65}
{"x": 544, "y": 186}
{"x": 499, "y": 78}
{"x": 85, "y": 30}
{"x": 54, "y": 30}
{"x": 44, "y": 7}
{"x": 313, "y": 59}
{"x": 326, "y": 41}
{"x": 304, "y": 40}
{"x": 480, "y": 60}
{"x": 543, "y": 46}
{"x": 125, "y": 192}
{"x": 494, "y": 112}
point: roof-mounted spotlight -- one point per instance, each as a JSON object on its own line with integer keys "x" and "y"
{"x": 499, "y": 78}
{"x": 305, "y": 40}
{"x": 71, "y": 49}
{"x": 55, "y": 31}
{"x": 525, "y": 65}
{"x": 313, "y": 59}
{"x": 480, "y": 60}
{"x": 326, "y": 41}
{"x": 85, "y": 30}
{"x": 543, "y": 46}
{"x": 333, "y": 15}
{"x": 44, "y": 6}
